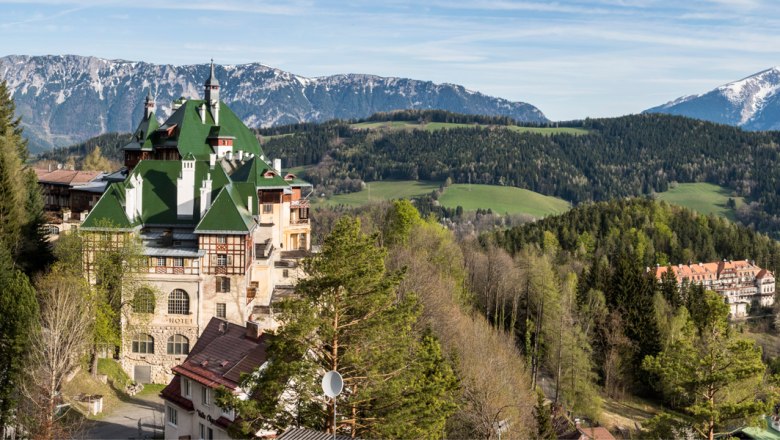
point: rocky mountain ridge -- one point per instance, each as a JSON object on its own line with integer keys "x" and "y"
{"x": 65, "y": 99}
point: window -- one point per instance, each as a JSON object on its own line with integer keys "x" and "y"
{"x": 178, "y": 303}
{"x": 221, "y": 310}
{"x": 202, "y": 431}
{"x": 160, "y": 261}
{"x": 144, "y": 301}
{"x": 286, "y": 273}
{"x": 185, "y": 387}
{"x": 143, "y": 343}
{"x": 53, "y": 230}
{"x": 221, "y": 239}
{"x": 223, "y": 284}
{"x": 178, "y": 344}
{"x": 173, "y": 416}
{"x": 205, "y": 396}
{"x": 222, "y": 260}
{"x": 209, "y": 434}
{"x": 268, "y": 208}
{"x": 228, "y": 413}
{"x": 178, "y": 262}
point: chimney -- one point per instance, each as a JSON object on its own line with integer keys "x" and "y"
{"x": 278, "y": 166}
{"x": 205, "y": 195}
{"x": 249, "y": 205}
{"x": 253, "y": 330}
{"x": 185, "y": 189}
{"x": 202, "y": 111}
{"x": 65, "y": 214}
{"x": 229, "y": 155}
{"x": 50, "y": 166}
{"x": 212, "y": 160}
{"x": 240, "y": 154}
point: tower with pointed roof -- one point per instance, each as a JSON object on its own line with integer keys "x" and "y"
{"x": 211, "y": 94}
{"x": 148, "y": 105}
{"x": 222, "y": 230}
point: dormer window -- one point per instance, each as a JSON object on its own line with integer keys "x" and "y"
{"x": 269, "y": 174}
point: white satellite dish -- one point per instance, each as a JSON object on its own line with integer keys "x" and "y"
{"x": 332, "y": 384}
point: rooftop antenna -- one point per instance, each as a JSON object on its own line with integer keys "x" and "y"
{"x": 332, "y": 384}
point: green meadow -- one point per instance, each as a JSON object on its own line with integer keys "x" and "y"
{"x": 499, "y": 199}
{"x": 705, "y": 198}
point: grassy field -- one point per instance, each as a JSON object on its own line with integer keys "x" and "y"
{"x": 432, "y": 126}
{"x": 705, "y": 198}
{"x": 502, "y": 199}
{"x": 384, "y": 190}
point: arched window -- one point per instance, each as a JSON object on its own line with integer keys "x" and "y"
{"x": 143, "y": 343}
{"x": 144, "y": 301}
{"x": 178, "y": 303}
{"x": 178, "y": 344}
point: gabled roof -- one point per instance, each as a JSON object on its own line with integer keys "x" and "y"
{"x": 141, "y": 139}
{"x": 228, "y": 212}
{"x": 222, "y": 354}
{"x": 190, "y": 135}
{"x": 109, "y": 211}
{"x": 159, "y": 194}
{"x": 66, "y": 177}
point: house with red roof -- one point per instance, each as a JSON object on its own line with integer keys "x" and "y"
{"x": 223, "y": 354}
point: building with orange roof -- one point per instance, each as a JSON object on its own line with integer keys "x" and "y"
{"x": 741, "y": 283}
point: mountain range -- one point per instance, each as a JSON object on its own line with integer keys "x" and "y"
{"x": 66, "y": 99}
{"x": 752, "y": 103}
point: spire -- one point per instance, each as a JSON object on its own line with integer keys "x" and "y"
{"x": 211, "y": 94}
{"x": 148, "y": 105}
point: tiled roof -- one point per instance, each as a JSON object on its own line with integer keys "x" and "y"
{"x": 172, "y": 393}
{"x": 66, "y": 177}
{"x": 222, "y": 354}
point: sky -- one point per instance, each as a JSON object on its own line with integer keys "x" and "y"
{"x": 572, "y": 59}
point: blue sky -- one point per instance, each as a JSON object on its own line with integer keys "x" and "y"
{"x": 571, "y": 59}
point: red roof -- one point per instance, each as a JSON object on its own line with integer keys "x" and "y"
{"x": 172, "y": 393}
{"x": 222, "y": 354}
{"x": 66, "y": 177}
{"x": 598, "y": 433}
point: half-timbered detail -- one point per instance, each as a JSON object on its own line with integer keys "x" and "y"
{"x": 221, "y": 229}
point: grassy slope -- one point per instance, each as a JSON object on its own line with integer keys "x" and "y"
{"x": 705, "y": 198}
{"x": 384, "y": 190}
{"x": 502, "y": 199}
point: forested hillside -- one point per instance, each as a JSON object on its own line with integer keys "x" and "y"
{"x": 619, "y": 157}
{"x": 577, "y": 284}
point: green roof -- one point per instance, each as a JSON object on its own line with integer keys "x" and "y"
{"x": 191, "y": 135}
{"x": 142, "y": 139}
{"x": 109, "y": 211}
{"x": 228, "y": 213}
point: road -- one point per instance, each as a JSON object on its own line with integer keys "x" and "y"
{"x": 122, "y": 423}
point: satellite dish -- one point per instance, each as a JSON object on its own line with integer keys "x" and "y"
{"x": 332, "y": 384}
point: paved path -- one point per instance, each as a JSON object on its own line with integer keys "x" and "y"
{"x": 122, "y": 423}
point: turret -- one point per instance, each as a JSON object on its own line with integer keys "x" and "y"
{"x": 148, "y": 105}
{"x": 211, "y": 94}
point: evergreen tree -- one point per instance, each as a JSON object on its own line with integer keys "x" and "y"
{"x": 21, "y": 204}
{"x": 94, "y": 161}
{"x": 716, "y": 375}
{"x": 348, "y": 318}
{"x": 19, "y": 311}
{"x": 543, "y": 415}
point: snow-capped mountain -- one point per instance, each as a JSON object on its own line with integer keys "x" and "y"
{"x": 752, "y": 103}
{"x": 64, "y": 99}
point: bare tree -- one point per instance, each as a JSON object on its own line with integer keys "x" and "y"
{"x": 63, "y": 337}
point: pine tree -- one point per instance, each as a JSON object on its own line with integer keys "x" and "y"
{"x": 716, "y": 376}
{"x": 349, "y": 318}
{"x": 21, "y": 204}
{"x": 544, "y": 427}
{"x": 19, "y": 311}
